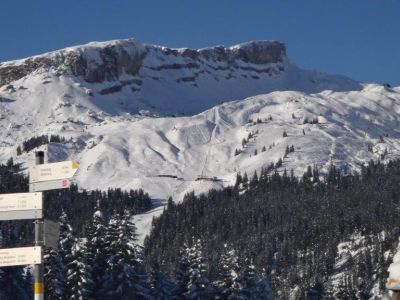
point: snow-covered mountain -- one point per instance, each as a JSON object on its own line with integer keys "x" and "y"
{"x": 124, "y": 76}
{"x": 116, "y": 100}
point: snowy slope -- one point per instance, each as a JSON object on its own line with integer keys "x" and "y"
{"x": 117, "y": 145}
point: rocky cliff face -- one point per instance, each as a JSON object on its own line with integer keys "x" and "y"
{"x": 95, "y": 62}
{"x": 99, "y": 62}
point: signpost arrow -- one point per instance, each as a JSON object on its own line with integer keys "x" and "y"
{"x": 49, "y": 185}
{"x": 21, "y": 206}
{"x": 54, "y": 171}
{"x": 20, "y": 256}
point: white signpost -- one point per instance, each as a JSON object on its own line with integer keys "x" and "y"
{"x": 50, "y": 185}
{"x": 20, "y": 256}
{"x": 54, "y": 171}
{"x": 21, "y": 206}
{"x": 20, "y": 201}
{"x": 42, "y": 177}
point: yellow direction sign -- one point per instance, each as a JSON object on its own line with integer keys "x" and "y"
{"x": 20, "y": 201}
{"x": 20, "y": 256}
{"x": 54, "y": 171}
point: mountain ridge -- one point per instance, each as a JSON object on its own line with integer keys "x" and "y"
{"x": 128, "y": 55}
{"x": 155, "y": 80}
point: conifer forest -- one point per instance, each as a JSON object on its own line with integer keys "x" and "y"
{"x": 270, "y": 236}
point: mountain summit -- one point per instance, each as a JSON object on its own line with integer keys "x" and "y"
{"x": 126, "y": 76}
{"x": 108, "y": 61}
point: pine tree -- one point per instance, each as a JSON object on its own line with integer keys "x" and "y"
{"x": 182, "y": 273}
{"x": 162, "y": 288}
{"x": 227, "y": 282}
{"x": 238, "y": 179}
{"x": 67, "y": 240}
{"x": 279, "y": 163}
{"x": 244, "y": 142}
{"x": 124, "y": 277}
{"x": 309, "y": 172}
{"x": 95, "y": 254}
{"x": 245, "y": 180}
{"x": 249, "y": 282}
{"x": 110, "y": 254}
{"x": 79, "y": 285}
{"x": 198, "y": 286}
{"x": 54, "y": 275}
{"x": 254, "y": 180}
{"x": 287, "y": 150}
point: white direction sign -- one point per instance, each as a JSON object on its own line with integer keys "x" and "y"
{"x": 21, "y": 214}
{"x": 51, "y": 233}
{"x": 49, "y": 185}
{"x": 20, "y": 256}
{"x": 20, "y": 201}
{"x": 54, "y": 171}
{"x": 21, "y": 206}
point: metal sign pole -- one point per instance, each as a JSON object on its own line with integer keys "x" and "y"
{"x": 38, "y": 286}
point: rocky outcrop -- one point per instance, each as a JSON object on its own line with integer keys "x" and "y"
{"x": 96, "y": 62}
{"x": 107, "y": 61}
{"x": 255, "y": 52}
{"x": 260, "y": 52}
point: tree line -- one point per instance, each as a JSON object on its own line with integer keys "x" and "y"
{"x": 38, "y": 141}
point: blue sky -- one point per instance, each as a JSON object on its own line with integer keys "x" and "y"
{"x": 357, "y": 38}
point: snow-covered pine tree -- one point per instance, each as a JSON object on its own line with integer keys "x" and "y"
{"x": 124, "y": 277}
{"x": 254, "y": 286}
{"x": 199, "y": 286}
{"x": 182, "y": 272}
{"x": 227, "y": 283}
{"x": 56, "y": 261}
{"x": 110, "y": 254}
{"x": 54, "y": 275}
{"x": 79, "y": 284}
{"x": 66, "y": 241}
{"x": 95, "y": 254}
{"x": 162, "y": 288}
